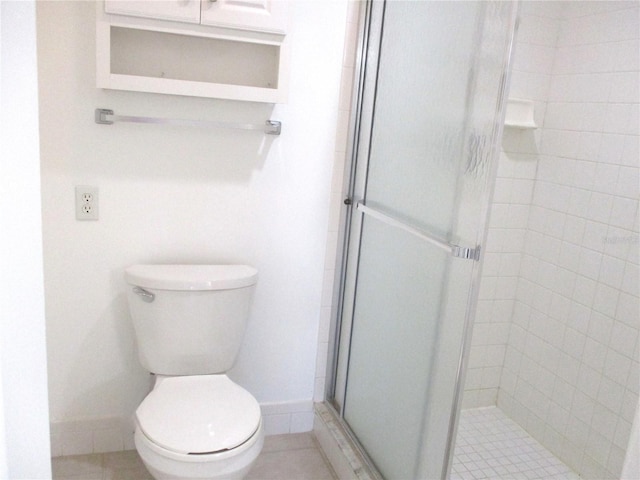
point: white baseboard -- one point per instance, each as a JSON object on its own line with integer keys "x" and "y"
{"x": 113, "y": 434}
{"x": 287, "y": 417}
{"x": 91, "y": 435}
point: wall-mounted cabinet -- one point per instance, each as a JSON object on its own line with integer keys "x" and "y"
{"x": 185, "y": 11}
{"x": 255, "y": 15}
{"x": 175, "y": 53}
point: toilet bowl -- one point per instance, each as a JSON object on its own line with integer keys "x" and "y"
{"x": 200, "y": 427}
{"x": 189, "y": 321}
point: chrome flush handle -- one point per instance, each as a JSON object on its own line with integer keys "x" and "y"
{"x": 144, "y": 294}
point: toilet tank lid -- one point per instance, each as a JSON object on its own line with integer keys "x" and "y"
{"x": 191, "y": 277}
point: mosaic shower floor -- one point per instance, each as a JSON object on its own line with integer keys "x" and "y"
{"x": 490, "y": 445}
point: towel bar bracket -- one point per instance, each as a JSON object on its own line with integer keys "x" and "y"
{"x": 273, "y": 127}
{"x": 101, "y": 116}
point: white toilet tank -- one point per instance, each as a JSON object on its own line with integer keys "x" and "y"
{"x": 189, "y": 319}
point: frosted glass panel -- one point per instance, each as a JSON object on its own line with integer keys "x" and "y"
{"x": 395, "y": 323}
{"x": 426, "y": 55}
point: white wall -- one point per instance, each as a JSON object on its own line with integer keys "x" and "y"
{"x": 24, "y": 432}
{"x": 171, "y": 194}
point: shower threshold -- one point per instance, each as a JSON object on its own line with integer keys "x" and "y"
{"x": 341, "y": 451}
{"x": 490, "y": 445}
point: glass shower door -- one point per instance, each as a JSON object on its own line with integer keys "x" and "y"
{"x": 429, "y": 121}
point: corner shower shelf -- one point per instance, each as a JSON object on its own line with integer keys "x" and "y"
{"x": 519, "y": 114}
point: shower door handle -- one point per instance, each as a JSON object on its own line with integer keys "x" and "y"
{"x": 457, "y": 251}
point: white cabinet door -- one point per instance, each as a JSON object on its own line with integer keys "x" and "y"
{"x": 177, "y": 10}
{"x": 257, "y": 15}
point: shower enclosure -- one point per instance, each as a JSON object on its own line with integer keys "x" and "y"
{"x": 427, "y": 124}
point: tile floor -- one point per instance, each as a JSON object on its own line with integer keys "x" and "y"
{"x": 490, "y": 445}
{"x": 292, "y": 457}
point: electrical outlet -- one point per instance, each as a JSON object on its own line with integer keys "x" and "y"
{"x": 86, "y": 202}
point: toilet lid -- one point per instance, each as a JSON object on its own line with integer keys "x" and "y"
{"x": 198, "y": 414}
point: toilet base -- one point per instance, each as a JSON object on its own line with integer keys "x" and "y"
{"x": 227, "y": 465}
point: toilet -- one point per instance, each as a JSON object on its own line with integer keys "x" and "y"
{"x": 189, "y": 322}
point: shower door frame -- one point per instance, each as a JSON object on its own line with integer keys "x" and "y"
{"x": 359, "y": 143}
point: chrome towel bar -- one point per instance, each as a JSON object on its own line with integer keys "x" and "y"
{"x": 105, "y": 116}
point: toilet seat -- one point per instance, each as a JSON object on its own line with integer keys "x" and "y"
{"x": 226, "y": 465}
{"x": 199, "y": 414}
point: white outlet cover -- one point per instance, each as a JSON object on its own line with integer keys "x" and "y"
{"x": 86, "y": 202}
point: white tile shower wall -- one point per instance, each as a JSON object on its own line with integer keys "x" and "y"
{"x": 531, "y": 75}
{"x": 571, "y": 368}
{"x": 338, "y": 192}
